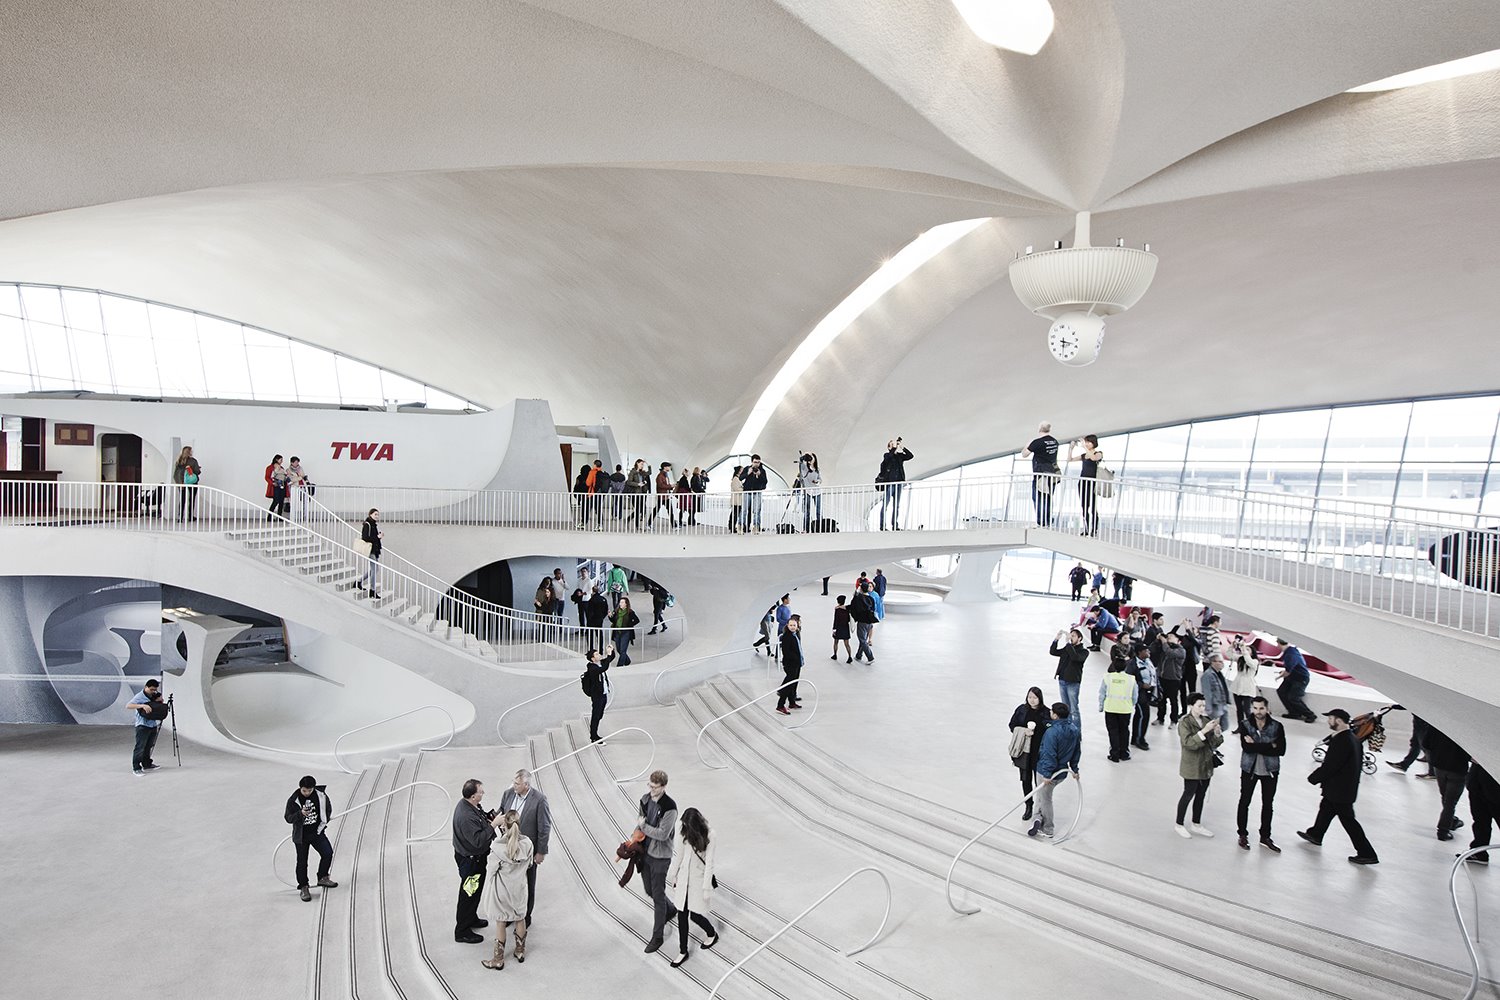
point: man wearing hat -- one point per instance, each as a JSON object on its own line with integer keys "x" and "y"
{"x": 1339, "y": 776}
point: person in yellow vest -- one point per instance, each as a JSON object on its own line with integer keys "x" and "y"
{"x": 1117, "y": 697}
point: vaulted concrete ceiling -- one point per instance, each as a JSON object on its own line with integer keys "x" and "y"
{"x": 638, "y": 209}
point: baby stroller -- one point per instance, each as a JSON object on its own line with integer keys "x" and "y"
{"x": 1369, "y": 730}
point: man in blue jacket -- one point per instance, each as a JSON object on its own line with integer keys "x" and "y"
{"x": 1061, "y": 748}
{"x": 1100, "y": 621}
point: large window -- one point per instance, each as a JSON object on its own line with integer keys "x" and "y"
{"x": 72, "y": 338}
{"x": 1438, "y": 454}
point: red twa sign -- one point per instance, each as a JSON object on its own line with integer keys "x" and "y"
{"x": 361, "y": 451}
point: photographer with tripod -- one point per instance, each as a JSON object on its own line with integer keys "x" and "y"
{"x": 150, "y": 709}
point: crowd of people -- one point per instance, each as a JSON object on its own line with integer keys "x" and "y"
{"x": 1151, "y": 666}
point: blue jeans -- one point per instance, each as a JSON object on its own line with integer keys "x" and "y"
{"x": 892, "y": 499}
{"x": 622, "y": 637}
{"x": 1042, "y": 487}
{"x": 1068, "y": 693}
{"x": 752, "y": 510}
{"x": 371, "y": 573}
{"x": 812, "y": 510}
{"x": 862, "y": 631}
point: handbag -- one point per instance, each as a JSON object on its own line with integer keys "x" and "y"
{"x": 190, "y": 478}
{"x": 1105, "y": 483}
{"x": 1218, "y": 758}
{"x": 1020, "y": 742}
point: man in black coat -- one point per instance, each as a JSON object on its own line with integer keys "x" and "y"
{"x": 308, "y": 810}
{"x": 1339, "y": 776}
{"x": 791, "y": 665}
{"x": 595, "y": 610}
{"x": 893, "y": 479}
{"x": 1484, "y": 805}
{"x": 1450, "y": 763}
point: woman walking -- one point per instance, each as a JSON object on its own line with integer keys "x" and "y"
{"x": 691, "y": 879}
{"x": 685, "y": 514}
{"x": 1027, "y": 724}
{"x": 622, "y": 629}
{"x": 1200, "y": 736}
{"x": 1088, "y": 476}
{"x": 370, "y": 534}
{"x": 841, "y": 631}
{"x": 276, "y": 481}
{"x": 505, "y": 889}
{"x": 186, "y": 473}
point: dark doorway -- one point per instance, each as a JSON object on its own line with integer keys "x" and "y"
{"x": 120, "y": 462}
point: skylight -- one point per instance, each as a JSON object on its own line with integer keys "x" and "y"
{"x": 1017, "y": 25}
{"x": 890, "y": 274}
{"x": 1467, "y": 66}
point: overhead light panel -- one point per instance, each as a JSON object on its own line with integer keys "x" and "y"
{"x": 1467, "y": 66}
{"x": 1015, "y": 25}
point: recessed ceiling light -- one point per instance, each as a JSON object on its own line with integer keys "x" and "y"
{"x": 1017, "y": 25}
{"x": 1467, "y": 66}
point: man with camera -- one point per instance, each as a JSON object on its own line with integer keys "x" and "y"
{"x": 753, "y": 480}
{"x": 150, "y": 709}
{"x": 893, "y": 479}
{"x": 473, "y": 832}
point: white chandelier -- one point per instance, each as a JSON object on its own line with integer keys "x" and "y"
{"x": 1078, "y": 286}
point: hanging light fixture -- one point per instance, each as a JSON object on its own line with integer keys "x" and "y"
{"x": 1016, "y": 25}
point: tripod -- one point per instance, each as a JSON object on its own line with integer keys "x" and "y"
{"x": 172, "y": 713}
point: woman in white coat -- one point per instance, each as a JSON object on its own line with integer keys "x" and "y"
{"x": 690, "y": 880}
{"x": 505, "y": 890}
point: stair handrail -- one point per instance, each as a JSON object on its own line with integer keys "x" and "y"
{"x": 678, "y": 666}
{"x": 948, "y": 882}
{"x": 443, "y": 826}
{"x": 698, "y": 744}
{"x": 1462, "y": 861}
{"x": 586, "y": 746}
{"x": 816, "y": 903}
{"x": 452, "y": 731}
{"x": 522, "y": 704}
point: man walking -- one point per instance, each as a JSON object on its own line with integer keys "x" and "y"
{"x": 1450, "y": 763}
{"x": 473, "y": 831}
{"x": 1294, "y": 680}
{"x": 308, "y": 810}
{"x": 862, "y": 610}
{"x": 1044, "y": 473}
{"x": 1339, "y": 776}
{"x": 149, "y": 710}
{"x": 1061, "y": 749}
{"x": 658, "y": 821}
{"x": 530, "y": 804}
{"x": 1262, "y": 745}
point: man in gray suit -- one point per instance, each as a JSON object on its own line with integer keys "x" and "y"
{"x": 536, "y": 824}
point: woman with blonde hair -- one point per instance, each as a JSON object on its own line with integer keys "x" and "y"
{"x": 505, "y": 890}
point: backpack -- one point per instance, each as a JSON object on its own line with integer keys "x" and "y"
{"x": 589, "y": 682}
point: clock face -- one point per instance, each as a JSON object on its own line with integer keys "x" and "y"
{"x": 1063, "y": 341}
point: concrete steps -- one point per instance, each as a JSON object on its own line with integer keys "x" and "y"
{"x": 598, "y": 816}
{"x": 1249, "y": 952}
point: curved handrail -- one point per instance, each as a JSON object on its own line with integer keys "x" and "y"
{"x": 818, "y": 902}
{"x": 948, "y": 882}
{"x": 698, "y": 744}
{"x": 452, "y": 730}
{"x": 678, "y": 666}
{"x": 340, "y": 815}
{"x": 1462, "y": 862}
{"x": 617, "y": 732}
{"x": 522, "y": 704}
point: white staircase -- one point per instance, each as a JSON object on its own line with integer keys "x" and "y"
{"x": 329, "y": 566}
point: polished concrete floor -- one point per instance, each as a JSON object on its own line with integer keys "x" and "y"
{"x": 125, "y": 887}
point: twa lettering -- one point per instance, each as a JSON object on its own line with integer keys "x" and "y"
{"x": 361, "y": 451}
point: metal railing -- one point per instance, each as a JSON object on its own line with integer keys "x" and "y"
{"x": 587, "y": 746}
{"x": 698, "y": 743}
{"x": 324, "y": 546}
{"x": 452, "y": 730}
{"x": 815, "y": 904}
{"x": 442, "y": 827}
{"x": 1462, "y": 861}
{"x": 948, "y": 881}
{"x": 570, "y": 682}
{"x": 677, "y": 667}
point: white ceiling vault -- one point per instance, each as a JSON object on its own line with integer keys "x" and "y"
{"x": 638, "y": 209}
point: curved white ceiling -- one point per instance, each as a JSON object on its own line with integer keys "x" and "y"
{"x": 639, "y": 209}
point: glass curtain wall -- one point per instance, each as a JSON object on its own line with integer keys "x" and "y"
{"x": 1433, "y": 454}
{"x": 55, "y": 338}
